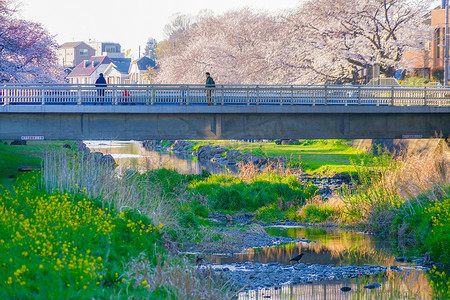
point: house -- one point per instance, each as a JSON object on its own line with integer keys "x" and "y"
{"x": 117, "y": 71}
{"x": 73, "y": 53}
{"x": 139, "y": 67}
{"x": 112, "y": 50}
{"x": 88, "y": 71}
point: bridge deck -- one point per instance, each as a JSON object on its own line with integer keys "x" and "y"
{"x": 223, "y": 95}
{"x": 238, "y": 112}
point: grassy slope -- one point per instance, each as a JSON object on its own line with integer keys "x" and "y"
{"x": 316, "y": 156}
{"x": 13, "y": 158}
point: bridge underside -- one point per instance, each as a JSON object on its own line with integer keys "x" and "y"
{"x": 98, "y": 126}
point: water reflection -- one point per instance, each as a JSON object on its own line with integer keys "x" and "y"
{"x": 132, "y": 155}
{"x": 337, "y": 247}
{"x": 413, "y": 285}
{"x": 334, "y": 246}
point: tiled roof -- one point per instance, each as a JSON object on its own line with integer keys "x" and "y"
{"x": 70, "y": 45}
{"x": 144, "y": 62}
{"x": 73, "y": 45}
{"x": 86, "y": 69}
{"x": 122, "y": 67}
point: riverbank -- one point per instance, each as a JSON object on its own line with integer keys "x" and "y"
{"x": 312, "y": 156}
{"x": 180, "y": 205}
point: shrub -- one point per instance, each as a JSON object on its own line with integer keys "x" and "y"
{"x": 313, "y": 213}
{"x": 227, "y": 192}
{"x": 269, "y": 213}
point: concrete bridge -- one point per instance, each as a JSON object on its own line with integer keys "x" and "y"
{"x": 138, "y": 112}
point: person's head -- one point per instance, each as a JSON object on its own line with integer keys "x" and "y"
{"x": 101, "y": 74}
{"x": 207, "y": 74}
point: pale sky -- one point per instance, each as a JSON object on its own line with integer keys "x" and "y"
{"x": 128, "y": 22}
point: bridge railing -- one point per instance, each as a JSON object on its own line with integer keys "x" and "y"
{"x": 223, "y": 95}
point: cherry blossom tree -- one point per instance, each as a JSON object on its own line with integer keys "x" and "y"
{"x": 321, "y": 41}
{"x": 27, "y": 51}
{"x": 233, "y": 47}
{"x": 336, "y": 39}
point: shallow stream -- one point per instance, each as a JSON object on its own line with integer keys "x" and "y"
{"x": 338, "y": 248}
{"x": 330, "y": 247}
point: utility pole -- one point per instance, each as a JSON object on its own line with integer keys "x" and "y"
{"x": 446, "y": 65}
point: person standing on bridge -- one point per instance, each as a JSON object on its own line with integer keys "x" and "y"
{"x": 100, "y": 83}
{"x": 209, "y": 86}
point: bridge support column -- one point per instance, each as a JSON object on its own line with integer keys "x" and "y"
{"x": 85, "y": 124}
{"x": 216, "y": 124}
{"x": 346, "y": 124}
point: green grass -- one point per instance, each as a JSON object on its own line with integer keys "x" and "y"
{"x": 315, "y": 156}
{"x": 270, "y": 196}
{"x": 13, "y": 158}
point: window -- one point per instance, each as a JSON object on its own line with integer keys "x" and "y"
{"x": 83, "y": 52}
{"x": 437, "y": 39}
{"x": 110, "y": 49}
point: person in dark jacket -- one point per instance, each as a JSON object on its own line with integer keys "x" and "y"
{"x": 209, "y": 86}
{"x": 100, "y": 83}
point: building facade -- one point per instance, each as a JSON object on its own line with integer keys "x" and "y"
{"x": 88, "y": 71}
{"x": 429, "y": 63}
{"x": 73, "y": 53}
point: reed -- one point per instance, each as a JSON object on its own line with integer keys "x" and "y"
{"x": 177, "y": 279}
{"x": 119, "y": 190}
{"x": 403, "y": 185}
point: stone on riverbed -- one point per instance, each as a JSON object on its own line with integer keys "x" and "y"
{"x": 254, "y": 276}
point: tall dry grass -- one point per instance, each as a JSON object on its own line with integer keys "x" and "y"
{"x": 190, "y": 282}
{"x": 122, "y": 190}
{"x": 249, "y": 171}
{"x": 408, "y": 182}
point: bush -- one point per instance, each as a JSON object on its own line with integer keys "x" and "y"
{"x": 269, "y": 213}
{"x": 227, "y": 192}
{"x": 169, "y": 180}
{"x": 429, "y": 224}
{"x": 312, "y": 213}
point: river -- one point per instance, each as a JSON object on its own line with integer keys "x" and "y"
{"x": 131, "y": 154}
{"x": 335, "y": 247}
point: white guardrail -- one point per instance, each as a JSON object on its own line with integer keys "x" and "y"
{"x": 223, "y": 95}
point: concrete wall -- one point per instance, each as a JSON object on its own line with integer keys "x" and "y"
{"x": 110, "y": 124}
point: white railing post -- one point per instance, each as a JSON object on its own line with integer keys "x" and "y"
{"x": 182, "y": 95}
{"x": 40, "y": 93}
{"x": 281, "y": 96}
{"x": 115, "y": 96}
{"x": 147, "y": 100}
{"x": 188, "y": 95}
{"x": 392, "y": 96}
{"x": 223, "y": 95}
{"x": 425, "y": 96}
{"x": 379, "y": 96}
{"x": 248, "y": 97}
{"x": 7, "y": 97}
{"x": 325, "y": 100}
{"x": 257, "y": 95}
{"x": 292, "y": 95}
{"x": 79, "y": 100}
{"x": 359, "y": 95}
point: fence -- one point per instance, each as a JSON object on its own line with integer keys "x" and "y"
{"x": 223, "y": 95}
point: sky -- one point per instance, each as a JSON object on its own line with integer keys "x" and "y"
{"x": 128, "y": 22}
